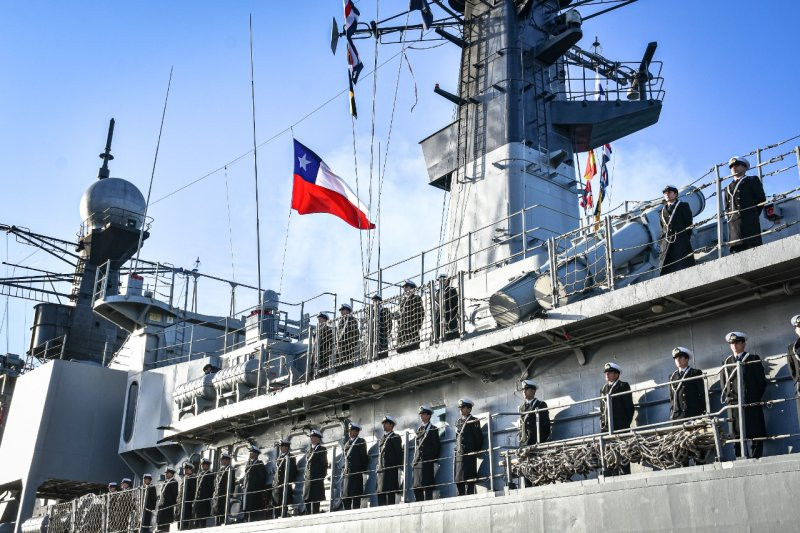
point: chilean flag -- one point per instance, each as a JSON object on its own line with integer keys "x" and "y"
{"x": 318, "y": 190}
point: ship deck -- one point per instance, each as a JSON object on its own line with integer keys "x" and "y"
{"x": 771, "y": 270}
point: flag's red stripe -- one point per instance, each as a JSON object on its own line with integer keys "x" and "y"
{"x": 310, "y": 198}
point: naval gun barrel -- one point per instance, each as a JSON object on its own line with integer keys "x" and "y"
{"x": 582, "y": 264}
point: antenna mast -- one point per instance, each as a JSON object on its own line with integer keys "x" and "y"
{"x": 255, "y": 169}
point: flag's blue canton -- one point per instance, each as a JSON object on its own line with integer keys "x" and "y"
{"x": 306, "y": 163}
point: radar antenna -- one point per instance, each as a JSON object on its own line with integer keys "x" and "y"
{"x": 106, "y": 155}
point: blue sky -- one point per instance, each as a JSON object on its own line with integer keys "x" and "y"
{"x": 68, "y": 67}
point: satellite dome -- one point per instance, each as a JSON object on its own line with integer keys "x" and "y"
{"x": 112, "y": 201}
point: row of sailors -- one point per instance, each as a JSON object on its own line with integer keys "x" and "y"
{"x": 204, "y": 496}
{"x": 343, "y": 346}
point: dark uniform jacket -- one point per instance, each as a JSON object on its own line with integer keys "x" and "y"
{"x": 427, "y": 448}
{"x": 283, "y": 462}
{"x": 150, "y": 502}
{"x": 314, "y": 474}
{"x": 793, "y": 360}
{"x": 356, "y": 462}
{"x": 687, "y": 396}
{"x": 204, "y": 494}
{"x": 390, "y": 461}
{"x": 382, "y": 328}
{"x": 675, "y": 248}
{"x": 347, "y": 340}
{"x": 754, "y": 382}
{"x": 254, "y": 485}
{"x": 325, "y": 344}
{"x": 221, "y": 486}
{"x": 741, "y": 197}
{"x": 527, "y": 423}
{"x": 621, "y": 406}
{"x": 188, "y": 490}
{"x": 412, "y": 314}
{"x": 167, "y": 500}
{"x": 469, "y": 441}
{"x": 447, "y": 300}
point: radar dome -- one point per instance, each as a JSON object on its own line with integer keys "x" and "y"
{"x": 112, "y": 201}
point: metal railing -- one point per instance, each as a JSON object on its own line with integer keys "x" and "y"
{"x": 661, "y": 444}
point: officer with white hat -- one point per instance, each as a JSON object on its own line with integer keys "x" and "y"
{"x": 381, "y": 324}
{"x": 468, "y": 444}
{"x": 150, "y": 502}
{"x": 412, "y": 314}
{"x": 744, "y": 199}
{"x": 254, "y": 485}
{"x": 323, "y": 345}
{"x": 531, "y": 410}
{"x": 356, "y": 462}
{"x": 427, "y": 447}
{"x": 204, "y": 494}
{"x": 314, "y": 473}
{"x": 347, "y": 351}
{"x": 167, "y": 500}
{"x": 793, "y": 360}
{"x": 447, "y": 309}
{"x": 282, "y": 483}
{"x": 222, "y": 483}
{"x": 189, "y": 489}
{"x": 621, "y": 412}
{"x": 675, "y": 246}
{"x": 686, "y": 389}
{"x": 754, "y": 382}
{"x": 390, "y": 460}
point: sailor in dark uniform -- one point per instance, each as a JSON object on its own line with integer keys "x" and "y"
{"x": 347, "y": 347}
{"x": 412, "y": 314}
{"x": 793, "y": 361}
{"x": 621, "y": 412}
{"x": 381, "y": 327}
{"x": 675, "y": 247}
{"x": 446, "y": 322}
{"x": 149, "y": 504}
{"x": 222, "y": 485}
{"x": 687, "y": 396}
{"x": 390, "y": 461}
{"x": 468, "y": 444}
{"x": 356, "y": 462}
{"x": 113, "y": 487}
{"x": 167, "y": 500}
{"x": 314, "y": 473}
{"x": 188, "y": 490}
{"x": 254, "y": 486}
{"x": 285, "y": 474}
{"x": 427, "y": 447}
{"x": 118, "y": 508}
{"x": 527, "y": 419}
{"x": 324, "y": 345}
{"x": 201, "y": 509}
{"x": 743, "y": 197}
{"x": 754, "y": 382}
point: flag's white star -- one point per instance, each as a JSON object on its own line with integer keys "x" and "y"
{"x": 303, "y": 161}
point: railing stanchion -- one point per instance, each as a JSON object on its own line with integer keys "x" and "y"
{"x": 609, "y": 414}
{"x": 333, "y": 476}
{"x": 551, "y": 257}
{"x": 229, "y": 489}
{"x": 462, "y": 314}
{"x": 405, "y": 468}
{"x": 717, "y": 439}
{"x": 743, "y": 453}
{"x": 602, "y": 447}
{"x": 490, "y": 440}
{"x": 609, "y": 254}
{"x": 469, "y": 254}
{"x": 718, "y": 185}
{"x": 797, "y": 156}
{"x": 422, "y": 269}
{"x": 524, "y": 236}
{"x": 284, "y": 504}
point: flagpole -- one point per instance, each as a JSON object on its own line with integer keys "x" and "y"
{"x": 255, "y": 173}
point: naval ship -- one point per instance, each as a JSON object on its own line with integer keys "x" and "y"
{"x": 129, "y": 378}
